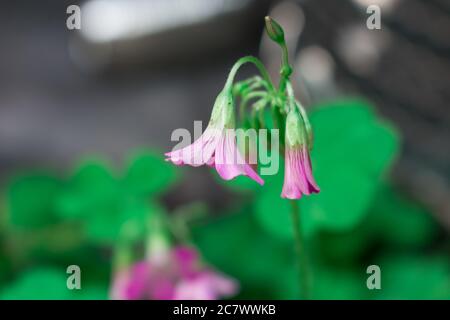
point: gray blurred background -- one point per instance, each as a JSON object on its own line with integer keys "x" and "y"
{"x": 139, "y": 69}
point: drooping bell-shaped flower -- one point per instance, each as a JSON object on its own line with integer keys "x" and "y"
{"x": 298, "y": 177}
{"x": 217, "y": 146}
{"x": 181, "y": 276}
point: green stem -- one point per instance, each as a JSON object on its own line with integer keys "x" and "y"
{"x": 251, "y": 95}
{"x": 257, "y": 63}
{"x": 122, "y": 256}
{"x": 300, "y": 251}
{"x": 290, "y": 96}
{"x": 286, "y": 69}
{"x": 307, "y": 124}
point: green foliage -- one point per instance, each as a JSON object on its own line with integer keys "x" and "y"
{"x": 337, "y": 283}
{"x": 94, "y": 195}
{"x": 264, "y": 263}
{"x": 357, "y": 219}
{"x": 46, "y": 283}
{"x": 398, "y": 221}
{"x": 147, "y": 174}
{"x": 91, "y": 188}
{"x": 415, "y": 277}
{"x": 237, "y": 246}
{"x": 352, "y": 151}
{"x": 273, "y": 212}
{"x": 55, "y": 221}
{"x": 31, "y": 200}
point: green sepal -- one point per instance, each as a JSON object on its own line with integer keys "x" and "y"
{"x": 308, "y": 126}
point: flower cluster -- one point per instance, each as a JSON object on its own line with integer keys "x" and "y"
{"x": 217, "y": 146}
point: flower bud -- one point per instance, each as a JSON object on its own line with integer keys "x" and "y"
{"x": 274, "y": 30}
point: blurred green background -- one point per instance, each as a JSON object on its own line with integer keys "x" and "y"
{"x": 84, "y": 123}
{"x": 359, "y": 219}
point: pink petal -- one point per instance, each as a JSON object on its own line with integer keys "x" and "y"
{"x": 186, "y": 259}
{"x": 194, "y": 289}
{"x": 119, "y": 286}
{"x": 229, "y": 162}
{"x": 198, "y": 153}
{"x": 162, "y": 288}
{"x": 223, "y": 286}
{"x": 208, "y": 285}
{"x": 313, "y": 187}
{"x": 131, "y": 284}
{"x": 298, "y": 178}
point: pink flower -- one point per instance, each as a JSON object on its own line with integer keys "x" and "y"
{"x": 206, "y": 286}
{"x": 298, "y": 178}
{"x": 216, "y": 147}
{"x": 182, "y": 277}
{"x": 128, "y": 284}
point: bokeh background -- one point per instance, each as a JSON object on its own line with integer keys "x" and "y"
{"x": 86, "y": 115}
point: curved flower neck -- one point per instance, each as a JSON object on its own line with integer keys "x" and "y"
{"x": 222, "y": 115}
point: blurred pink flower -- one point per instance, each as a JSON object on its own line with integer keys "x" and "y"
{"x": 182, "y": 277}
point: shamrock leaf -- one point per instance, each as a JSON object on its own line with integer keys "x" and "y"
{"x": 399, "y": 221}
{"x": 414, "y": 277}
{"x": 31, "y": 200}
{"x": 49, "y": 283}
{"x": 40, "y": 283}
{"x": 352, "y": 151}
{"x": 103, "y": 204}
{"x": 130, "y": 216}
{"x": 148, "y": 173}
{"x": 92, "y": 188}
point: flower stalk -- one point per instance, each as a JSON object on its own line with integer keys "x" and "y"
{"x": 293, "y": 135}
{"x": 300, "y": 252}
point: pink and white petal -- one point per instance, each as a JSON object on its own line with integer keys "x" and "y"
{"x": 229, "y": 162}
{"x": 119, "y": 288}
{"x": 186, "y": 259}
{"x": 302, "y": 180}
{"x": 197, "y": 153}
{"x": 223, "y": 286}
{"x": 194, "y": 289}
{"x": 290, "y": 189}
{"x": 161, "y": 287}
{"x": 131, "y": 284}
{"x": 293, "y": 185}
{"x": 298, "y": 177}
{"x": 314, "y": 188}
{"x": 251, "y": 173}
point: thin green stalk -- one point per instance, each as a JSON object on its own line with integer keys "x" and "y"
{"x": 290, "y": 96}
{"x": 251, "y": 95}
{"x": 257, "y": 63}
{"x": 300, "y": 252}
{"x": 286, "y": 69}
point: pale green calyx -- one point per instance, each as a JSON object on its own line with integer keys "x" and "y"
{"x": 308, "y": 127}
{"x": 222, "y": 115}
{"x": 295, "y": 130}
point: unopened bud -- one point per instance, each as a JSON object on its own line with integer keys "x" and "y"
{"x": 274, "y": 30}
